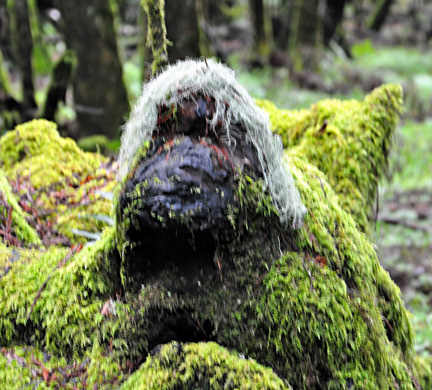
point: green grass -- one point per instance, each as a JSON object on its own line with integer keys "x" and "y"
{"x": 412, "y": 156}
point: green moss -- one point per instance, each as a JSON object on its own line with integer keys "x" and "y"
{"x": 202, "y": 366}
{"x": 63, "y": 180}
{"x": 36, "y": 149}
{"x": 347, "y": 140}
{"x": 156, "y": 33}
{"x": 314, "y": 303}
{"x": 423, "y": 366}
{"x": 9, "y": 206}
{"x": 22, "y": 367}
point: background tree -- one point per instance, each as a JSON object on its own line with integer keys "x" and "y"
{"x": 182, "y": 29}
{"x": 378, "y": 17}
{"x": 23, "y": 49}
{"x": 100, "y": 96}
{"x": 261, "y": 28}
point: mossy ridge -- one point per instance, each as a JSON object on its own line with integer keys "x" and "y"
{"x": 63, "y": 178}
{"x": 19, "y": 228}
{"x": 203, "y": 366}
{"x": 347, "y": 140}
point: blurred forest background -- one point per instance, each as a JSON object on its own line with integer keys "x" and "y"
{"x": 82, "y": 64}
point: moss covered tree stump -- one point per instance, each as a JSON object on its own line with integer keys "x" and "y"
{"x": 231, "y": 263}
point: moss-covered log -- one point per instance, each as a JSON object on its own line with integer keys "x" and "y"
{"x": 260, "y": 304}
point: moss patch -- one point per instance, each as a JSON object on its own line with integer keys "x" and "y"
{"x": 313, "y": 304}
{"x": 63, "y": 181}
{"x": 12, "y": 217}
{"x": 202, "y": 366}
{"x": 347, "y": 140}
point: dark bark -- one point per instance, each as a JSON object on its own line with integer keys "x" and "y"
{"x": 182, "y": 29}
{"x": 213, "y": 12}
{"x": 190, "y": 185}
{"x": 380, "y": 14}
{"x": 332, "y": 18}
{"x": 100, "y": 96}
{"x": 260, "y": 28}
{"x": 23, "y": 49}
{"x": 60, "y": 78}
{"x": 281, "y": 24}
{"x": 307, "y": 31}
{"x": 5, "y": 30}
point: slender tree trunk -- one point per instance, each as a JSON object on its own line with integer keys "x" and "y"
{"x": 281, "y": 24}
{"x": 213, "y": 13}
{"x": 205, "y": 46}
{"x": 261, "y": 28}
{"x": 23, "y": 49}
{"x": 380, "y": 14}
{"x": 332, "y": 18}
{"x": 100, "y": 96}
{"x": 5, "y": 30}
{"x": 306, "y": 36}
{"x": 60, "y": 78}
{"x": 182, "y": 29}
{"x": 157, "y": 42}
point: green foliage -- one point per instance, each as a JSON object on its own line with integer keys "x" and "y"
{"x": 347, "y": 140}
{"x": 401, "y": 60}
{"x": 94, "y": 143}
{"x": 363, "y": 49}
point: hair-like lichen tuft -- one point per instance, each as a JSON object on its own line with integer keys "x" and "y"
{"x": 233, "y": 105}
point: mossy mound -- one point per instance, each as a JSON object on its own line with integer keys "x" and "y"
{"x": 347, "y": 140}
{"x": 312, "y": 304}
{"x": 325, "y": 316}
{"x": 202, "y": 366}
{"x": 57, "y": 183}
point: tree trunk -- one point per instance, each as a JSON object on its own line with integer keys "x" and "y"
{"x": 60, "y": 79}
{"x": 281, "y": 25}
{"x": 157, "y": 43}
{"x": 260, "y": 27}
{"x": 307, "y": 33}
{"x": 182, "y": 29}
{"x": 23, "y": 48}
{"x": 333, "y": 17}
{"x": 5, "y": 39}
{"x": 380, "y": 14}
{"x": 100, "y": 96}
{"x": 213, "y": 13}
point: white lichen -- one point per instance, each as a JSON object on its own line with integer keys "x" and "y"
{"x": 233, "y": 105}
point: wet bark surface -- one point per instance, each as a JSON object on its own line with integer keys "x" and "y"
{"x": 180, "y": 195}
